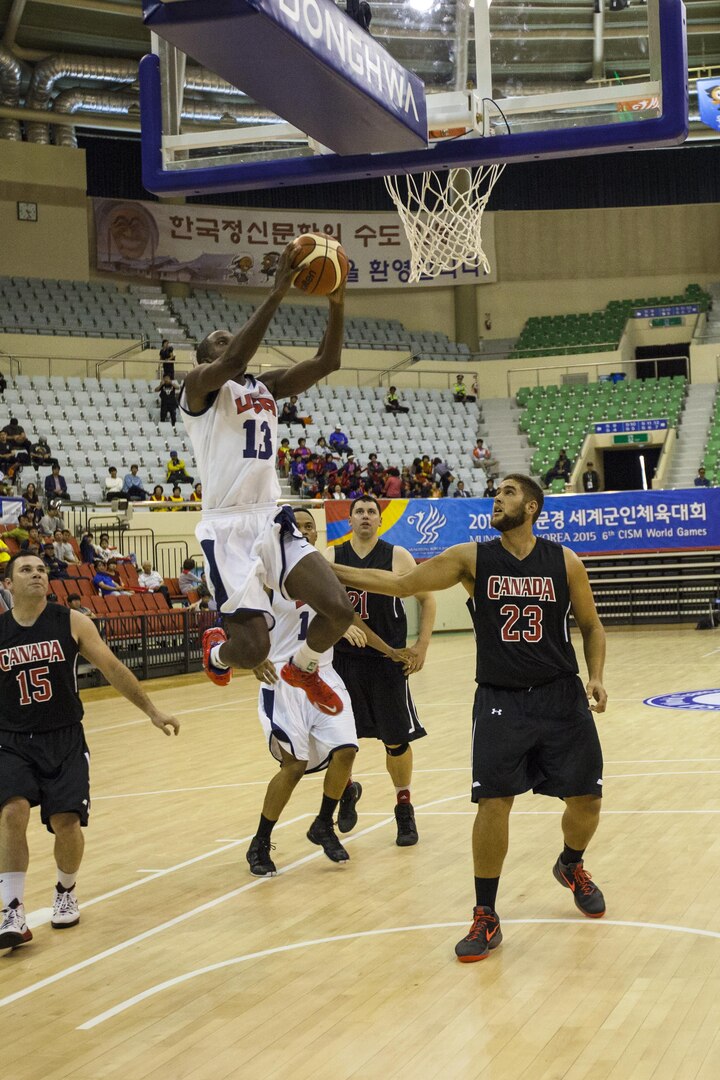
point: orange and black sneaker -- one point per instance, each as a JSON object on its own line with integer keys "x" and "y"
{"x": 586, "y": 894}
{"x": 485, "y": 934}
{"x": 322, "y": 696}
{"x": 212, "y": 637}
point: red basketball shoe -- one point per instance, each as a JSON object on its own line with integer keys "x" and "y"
{"x": 320, "y": 694}
{"x": 212, "y": 637}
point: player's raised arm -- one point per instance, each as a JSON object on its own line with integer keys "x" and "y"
{"x": 282, "y": 382}
{"x": 593, "y": 634}
{"x": 456, "y": 565}
{"x": 223, "y": 356}
{"x": 94, "y": 649}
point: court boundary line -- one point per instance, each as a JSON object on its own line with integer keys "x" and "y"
{"x": 177, "y": 980}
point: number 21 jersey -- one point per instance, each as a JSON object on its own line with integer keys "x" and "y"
{"x": 520, "y": 610}
{"x": 235, "y": 443}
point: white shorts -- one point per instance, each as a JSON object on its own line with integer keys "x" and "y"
{"x": 290, "y": 720}
{"x": 248, "y": 550}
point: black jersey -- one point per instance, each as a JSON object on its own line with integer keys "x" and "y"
{"x": 385, "y": 615}
{"x": 38, "y": 679}
{"x": 520, "y": 610}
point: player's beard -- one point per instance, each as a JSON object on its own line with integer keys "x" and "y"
{"x": 508, "y": 521}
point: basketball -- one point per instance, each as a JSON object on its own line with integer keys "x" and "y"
{"x": 322, "y": 264}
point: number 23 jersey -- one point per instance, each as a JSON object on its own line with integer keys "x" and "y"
{"x": 520, "y": 610}
{"x": 235, "y": 442}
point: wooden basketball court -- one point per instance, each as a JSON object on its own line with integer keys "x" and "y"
{"x": 185, "y": 966}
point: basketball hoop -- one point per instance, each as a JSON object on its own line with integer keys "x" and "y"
{"x": 442, "y": 217}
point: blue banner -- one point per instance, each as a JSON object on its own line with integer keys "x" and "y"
{"x": 668, "y": 309}
{"x": 589, "y": 524}
{"x": 708, "y": 95}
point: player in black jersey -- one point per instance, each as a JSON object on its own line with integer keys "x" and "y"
{"x": 532, "y": 727}
{"x": 378, "y": 688}
{"x": 43, "y": 755}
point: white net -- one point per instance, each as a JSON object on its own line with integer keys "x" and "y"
{"x": 442, "y": 217}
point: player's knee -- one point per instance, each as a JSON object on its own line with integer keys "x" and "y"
{"x": 247, "y": 650}
{"x": 345, "y": 756}
{"x": 294, "y": 769}
{"x": 15, "y": 814}
{"x": 339, "y": 609}
{"x": 397, "y": 751}
{"x": 64, "y": 824}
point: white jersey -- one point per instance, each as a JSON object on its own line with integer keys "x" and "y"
{"x": 292, "y": 618}
{"x": 235, "y": 443}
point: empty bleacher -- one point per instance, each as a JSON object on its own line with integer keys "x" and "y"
{"x": 71, "y": 309}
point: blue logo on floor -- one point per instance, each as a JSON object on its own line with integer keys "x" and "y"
{"x": 703, "y": 700}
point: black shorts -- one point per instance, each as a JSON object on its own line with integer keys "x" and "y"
{"x": 542, "y": 738}
{"x": 381, "y": 699}
{"x": 51, "y": 769}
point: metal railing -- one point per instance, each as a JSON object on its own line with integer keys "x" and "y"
{"x": 553, "y": 373}
{"x": 153, "y": 644}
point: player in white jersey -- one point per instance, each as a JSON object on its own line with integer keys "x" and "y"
{"x": 249, "y": 542}
{"x": 299, "y": 736}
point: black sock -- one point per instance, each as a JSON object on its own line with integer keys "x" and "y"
{"x": 327, "y": 809}
{"x": 570, "y": 855}
{"x": 265, "y": 828}
{"x": 486, "y": 891}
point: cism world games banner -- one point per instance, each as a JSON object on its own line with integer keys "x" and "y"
{"x": 220, "y": 245}
{"x": 589, "y": 524}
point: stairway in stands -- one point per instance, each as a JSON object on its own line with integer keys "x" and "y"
{"x": 502, "y": 434}
{"x": 692, "y": 435}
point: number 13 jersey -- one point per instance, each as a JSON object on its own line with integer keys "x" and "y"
{"x": 235, "y": 443}
{"x": 520, "y": 610}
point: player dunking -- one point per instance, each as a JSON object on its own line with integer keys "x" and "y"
{"x": 231, "y": 418}
{"x": 299, "y": 736}
{"x": 379, "y": 690}
{"x": 43, "y": 755}
{"x": 532, "y": 727}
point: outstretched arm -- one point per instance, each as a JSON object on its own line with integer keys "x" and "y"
{"x": 285, "y": 381}
{"x": 456, "y": 565}
{"x": 94, "y": 649}
{"x": 404, "y": 563}
{"x": 593, "y": 634}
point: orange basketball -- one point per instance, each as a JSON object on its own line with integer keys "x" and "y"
{"x": 322, "y": 264}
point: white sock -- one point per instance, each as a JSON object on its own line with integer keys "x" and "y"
{"x": 66, "y": 880}
{"x": 306, "y": 658}
{"x": 215, "y": 657}
{"x": 12, "y": 887}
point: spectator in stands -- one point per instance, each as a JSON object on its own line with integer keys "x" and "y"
{"x": 51, "y": 520}
{"x": 460, "y": 492}
{"x": 289, "y": 413}
{"x": 302, "y": 450}
{"x": 482, "y": 457}
{"x": 68, "y": 543}
{"x": 133, "y": 486}
{"x": 151, "y": 581}
{"x": 350, "y": 473}
{"x": 158, "y": 496}
{"x": 590, "y": 479}
{"x": 392, "y": 488}
{"x": 3, "y": 384}
{"x": 19, "y": 440}
{"x": 41, "y": 454}
{"x": 33, "y": 544}
{"x": 196, "y": 496}
{"x": 106, "y": 579}
{"x": 442, "y": 475}
{"x": 310, "y": 487}
{"x": 176, "y": 470}
{"x": 5, "y": 593}
{"x": 560, "y": 470}
{"x": 490, "y": 490}
{"x": 113, "y": 484}
{"x": 392, "y": 402}
{"x": 33, "y": 505}
{"x": 374, "y": 469}
{"x": 168, "y": 399}
{"x": 435, "y": 492}
{"x": 460, "y": 393}
{"x": 5, "y": 555}
{"x": 167, "y": 359}
{"x": 283, "y": 457}
{"x": 189, "y": 580}
{"x": 21, "y": 532}
{"x": 321, "y": 446}
{"x": 8, "y": 460}
{"x": 297, "y": 474}
{"x": 338, "y": 441}
{"x": 57, "y": 569}
{"x": 701, "y": 479}
{"x": 330, "y": 470}
{"x": 177, "y": 497}
{"x": 63, "y": 550}
{"x": 87, "y": 548}
{"x": 74, "y": 601}
{"x": 110, "y": 552}
{"x": 338, "y": 492}
{"x": 55, "y": 486}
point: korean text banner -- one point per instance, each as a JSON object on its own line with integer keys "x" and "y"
{"x": 218, "y": 245}
{"x": 589, "y": 524}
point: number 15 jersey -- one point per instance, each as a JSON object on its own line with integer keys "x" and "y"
{"x": 235, "y": 443}
{"x": 520, "y": 610}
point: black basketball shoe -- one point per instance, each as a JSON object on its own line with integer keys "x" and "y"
{"x": 586, "y": 894}
{"x": 484, "y": 934}
{"x": 407, "y": 833}
{"x": 347, "y": 814}
{"x": 323, "y": 835}
{"x": 258, "y": 857}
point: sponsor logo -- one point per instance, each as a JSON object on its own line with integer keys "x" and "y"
{"x": 50, "y": 651}
{"x": 428, "y": 524}
{"x": 541, "y": 588}
{"x": 496, "y": 712}
{"x": 696, "y": 700}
